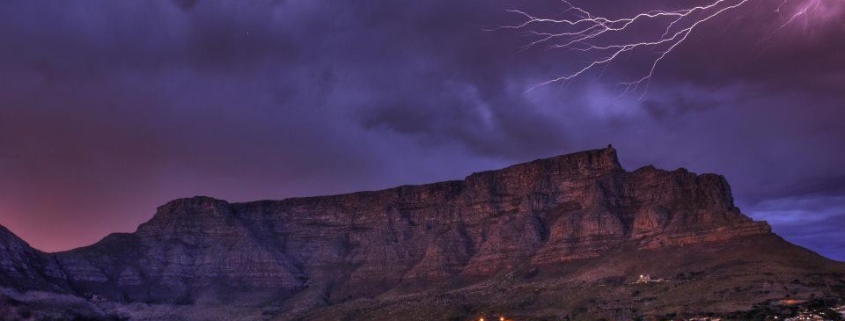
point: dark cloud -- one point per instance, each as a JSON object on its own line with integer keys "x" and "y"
{"x": 108, "y": 109}
{"x": 816, "y": 222}
{"x": 186, "y": 4}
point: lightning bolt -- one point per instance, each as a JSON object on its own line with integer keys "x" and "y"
{"x": 802, "y": 12}
{"x": 606, "y": 39}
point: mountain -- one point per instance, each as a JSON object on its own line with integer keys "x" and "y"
{"x": 563, "y": 236}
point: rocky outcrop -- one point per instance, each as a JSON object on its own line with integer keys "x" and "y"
{"x": 22, "y": 267}
{"x": 322, "y": 250}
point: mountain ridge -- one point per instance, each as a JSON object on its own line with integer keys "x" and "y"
{"x": 295, "y": 256}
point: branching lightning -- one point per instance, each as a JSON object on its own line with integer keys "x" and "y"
{"x": 803, "y": 11}
{"x": 606, "y": 39}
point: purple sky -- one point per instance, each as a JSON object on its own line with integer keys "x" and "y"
{"x": 110, "y": 108}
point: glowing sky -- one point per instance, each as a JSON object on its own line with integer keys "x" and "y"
{"x": 110, "y": 108}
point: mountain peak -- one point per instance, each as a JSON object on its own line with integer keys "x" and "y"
{"x": 589, "y": 163}
{"x": 185, "y": 214}
{"x": 601, "y": 159}
{"x": 193, "y": 205}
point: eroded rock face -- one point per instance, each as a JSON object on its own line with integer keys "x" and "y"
{"x": 23, "y": 267}
{"x": 330, "y": 248}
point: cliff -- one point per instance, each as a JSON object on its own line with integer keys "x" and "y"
{"x": 321, "y": 251}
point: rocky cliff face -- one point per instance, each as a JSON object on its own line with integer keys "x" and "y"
{"x": 322, "y": 250}
{"x": 23, "y": 267}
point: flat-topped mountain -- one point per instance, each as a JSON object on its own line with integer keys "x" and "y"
{"x": 563, "y": 236}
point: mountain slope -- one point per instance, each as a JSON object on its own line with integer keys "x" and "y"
{"x": 23, "y": 267}
{"x": 508, "y": 239}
